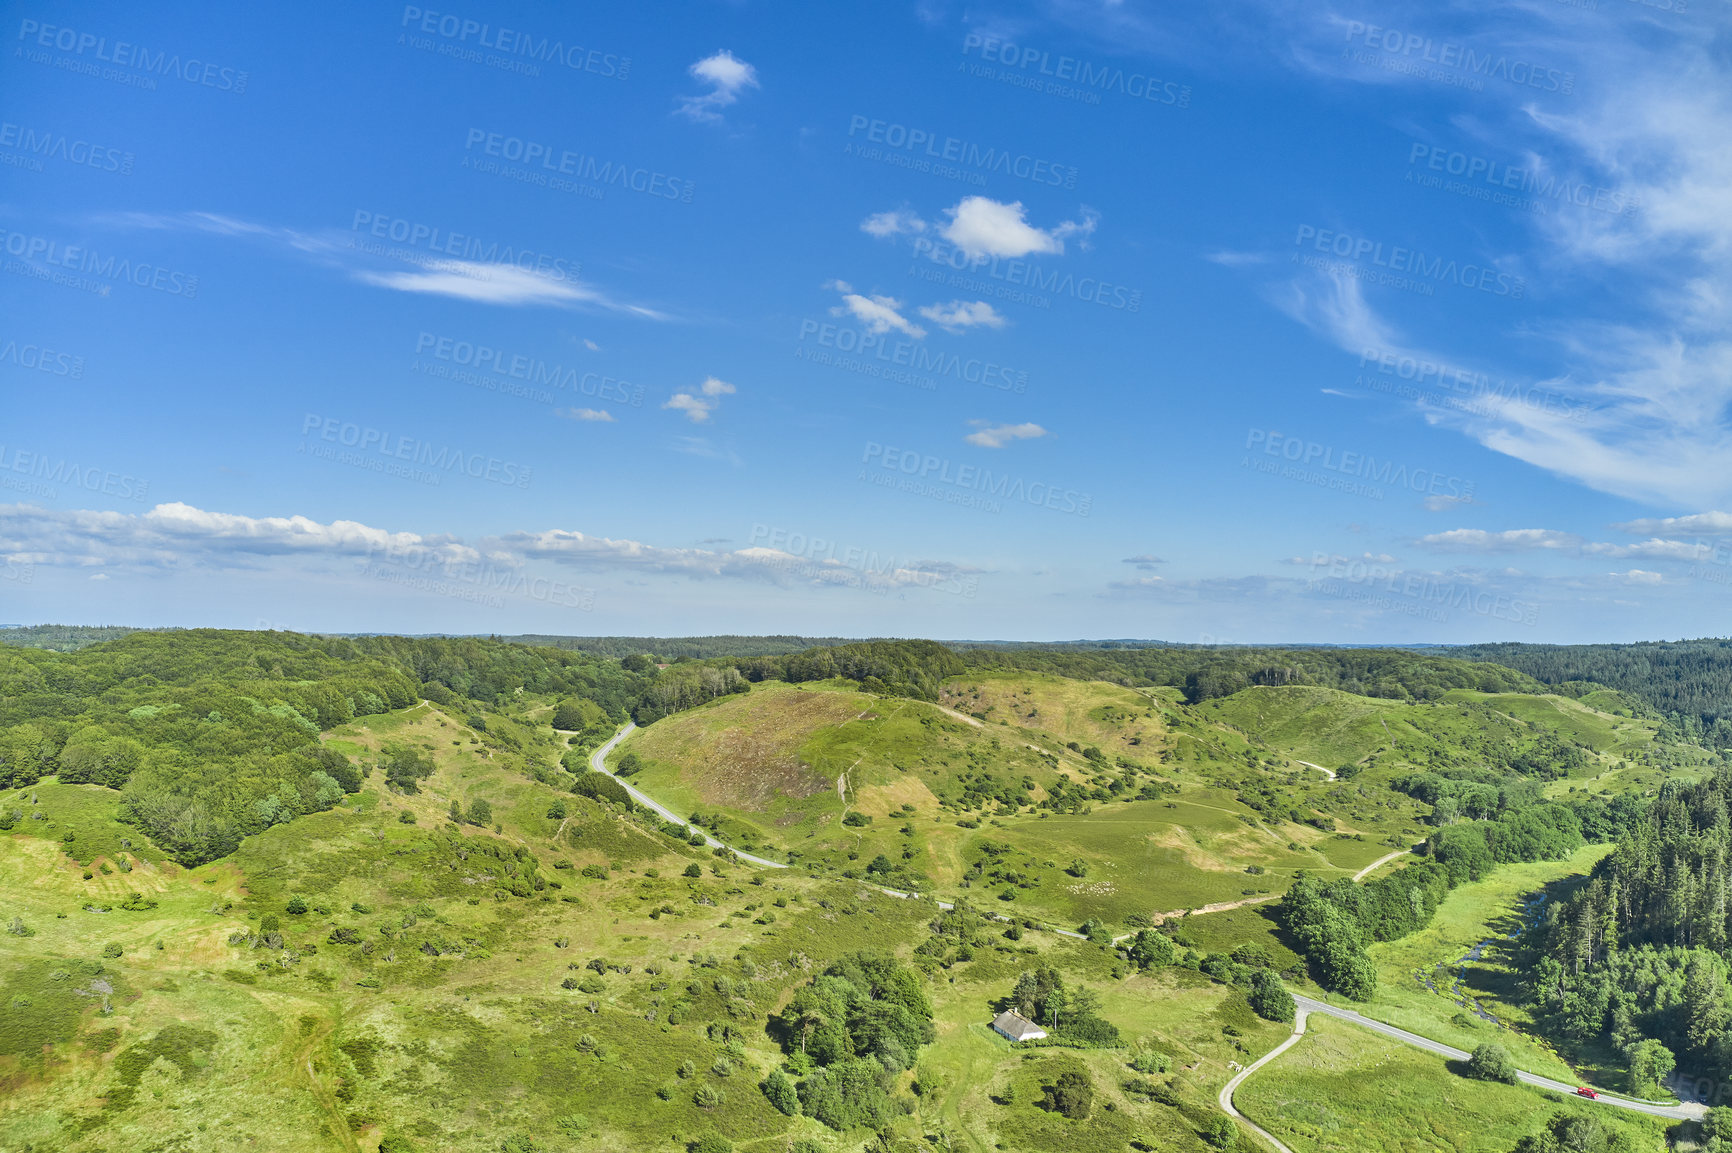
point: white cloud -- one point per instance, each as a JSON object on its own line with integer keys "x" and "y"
{"x": 176, "y": 533}
{"x": 1237, "y": 259}
{"x": 504, "y": 284}
{"x": 592, "y": 345}
{"x": 888, "y": 224}
{"x": 595, "y": 414}
{"x": 1701, "y": 524}
{"x": 1637, "y": 576}
{"x": 699, "y": 406}
{"x": 1445, "y": 503}
{"x": 1473, "y": 540}
{"x": 727, "y": 75}
{"x": 1144, "y": 561}
{"x": 879, "y": 314}
{"x": 961, "y": 315}
{"x": 981, "y": 227}
{"x": 1509, "y": 540}
{"x": 999, "y": 435}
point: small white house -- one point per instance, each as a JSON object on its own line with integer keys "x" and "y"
{"x": 1015, "y": 1026}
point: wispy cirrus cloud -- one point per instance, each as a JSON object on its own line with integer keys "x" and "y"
{"x": 989, "y": 435}
{"x": 502, "y": 284}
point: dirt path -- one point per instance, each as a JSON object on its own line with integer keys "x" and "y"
{"x": 1378, "y": 863}
{"x": 963, "y": 717}
{"x": 1329, "y": 773}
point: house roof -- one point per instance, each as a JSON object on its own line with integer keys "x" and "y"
{"x": 1017, "y": 1027}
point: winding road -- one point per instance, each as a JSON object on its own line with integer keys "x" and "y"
{"x": 598, "y": 762}
{"x": 1226, "y": 1096}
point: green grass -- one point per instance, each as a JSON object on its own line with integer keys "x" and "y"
{"x": 1344, "y": 1089}
{"x": 1481, "y": 911}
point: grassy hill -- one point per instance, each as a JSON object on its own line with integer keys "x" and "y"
{"x": 475, "y": 957}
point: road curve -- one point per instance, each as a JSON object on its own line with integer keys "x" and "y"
{"x": 1226, "y": 1096}
{"x": 598, "y": 762}
{"x": 1329, "y": 773}
{"x": 1686, "y": 1112}
{"x": 1378, "y": 864}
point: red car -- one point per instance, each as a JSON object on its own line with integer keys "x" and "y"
{"x": 1584, "y": 1091}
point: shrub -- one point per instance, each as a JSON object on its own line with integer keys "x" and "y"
{"x": 856, "y": 820}
{"x": 1491, "y": 1062}
{"x": 1270, "y": 999}
{"x": 694, "y": 870}
{"x": 710, "y": 1143}
{"x": 779, "y": 1091}
{"x": 480, "y": 812}
{"x": 296, "y": 906}
{"x": 1072, "y": 1095}
{"x": 708, "y": 1097}
{"x": 1150, "y": 1061}
{"x": 404, "y": 817}
{"x": 1222, "y": 1133}
{"x": 112, "y": 950}
{"x": 722, "y": 1067}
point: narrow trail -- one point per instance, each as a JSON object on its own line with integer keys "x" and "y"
{"x": 1378, "y": 864}
{"x": 1226, "y": 1096}
{"x": 1328, "y": 773}
{"x": 961, "y": 716}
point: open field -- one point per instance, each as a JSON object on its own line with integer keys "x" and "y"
{"x": 1343, "y": 1089}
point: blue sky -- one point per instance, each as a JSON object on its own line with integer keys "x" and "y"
{"x": 1274, "y": 322}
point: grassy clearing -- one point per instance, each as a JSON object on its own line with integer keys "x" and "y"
{"x": 1345, "y": 1090}
{"x": 1484, "y": 911}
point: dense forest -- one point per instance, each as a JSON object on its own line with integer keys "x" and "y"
{"x": 1688, "y": 681}
{"x": 1206, "y": 673}
{"x": 1639, "y": 954}
{"x": 1333, "y": 922}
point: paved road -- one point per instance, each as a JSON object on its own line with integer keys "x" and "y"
{"x": 1226, "y": 1095}
{"x": 598, "y": 762}
{"x": 1330, "y": 773}
{"x": 1686, "y": 1112}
